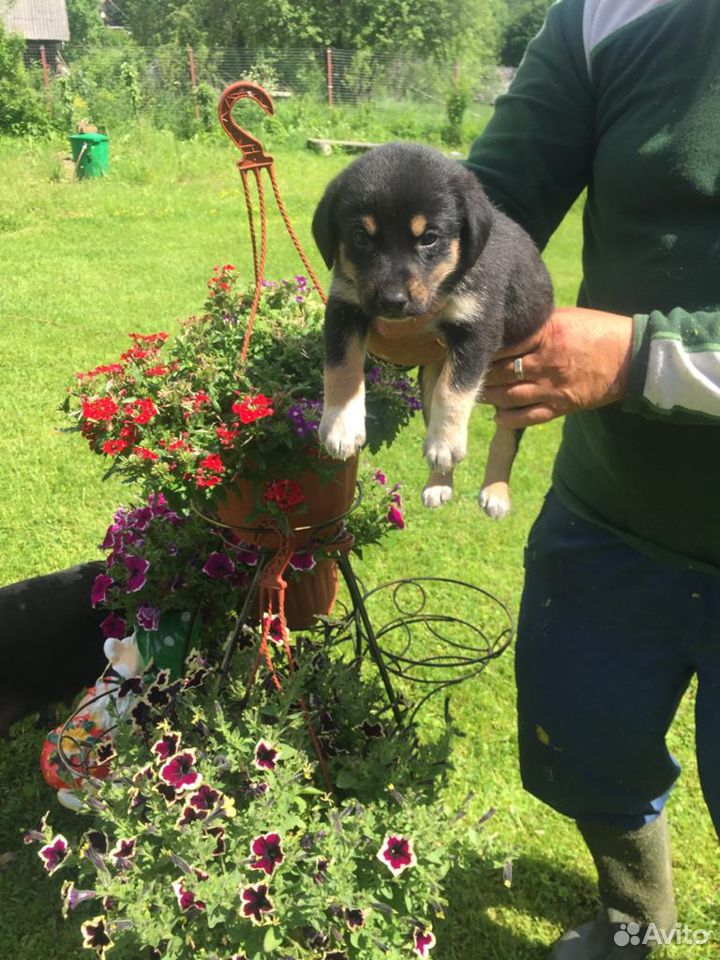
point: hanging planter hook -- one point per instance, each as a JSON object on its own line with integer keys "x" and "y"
{"x": 254, "y": 156}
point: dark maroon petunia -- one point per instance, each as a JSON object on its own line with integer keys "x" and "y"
{"x": 113, "y": 627}
{"x": 190, "y": 815}
{"x": 255, "y": 902}
{"x": 186, "y": 898}
{"x": 96, "y": 936}
{"x": 54, "y": 853}
{"x": 180, "y": 772}
{"x": 303, "y": 560}
{"x": 335, "y": 955}
{"x": 123, "y": 853}
{"x": 167, "y": 746}
{"x": 397, "y": 853}
{"x": 141, "y": 713}
{"x": 205, "y": 798}
{"x": 274, "y": 627}
{"x": 321, "y": 869}
{"x": 423, "y": 942}
{"x": 137, "y": 568}
{"x": 267, "y": 848}
{"x": 131, "y": 685}
{"x": 354, "y": 918}
{"x": 219, "y": 834}
{"x": 373, "y": 731}
{"x": 167, "y": 792}
{"x": 41, "y": 835}
{"x": 266, "y": 756}
{"x": 101, "y": 586}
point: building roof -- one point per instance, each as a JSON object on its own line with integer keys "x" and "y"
{"x": 36, "y": 19}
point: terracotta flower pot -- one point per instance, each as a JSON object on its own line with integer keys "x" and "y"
{"x": 310, "y": 595}
{"x": 316, "y": 519}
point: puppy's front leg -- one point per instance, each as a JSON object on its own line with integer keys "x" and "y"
{"x": 342, "y": 427}
{"x": 456, "y": 390}
{"x": 438, "y": 489}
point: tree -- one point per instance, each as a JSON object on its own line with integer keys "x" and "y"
{"x": 524, "y": 23}
{"x": 22, "y": 110}
{"x": 84, "y": 20}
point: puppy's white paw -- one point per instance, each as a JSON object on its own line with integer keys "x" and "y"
{"x": 495, "y": 500}
{"x": 342, "y": 430}
{"x": 436, "y": 496}
{"x": 442, "y": 455}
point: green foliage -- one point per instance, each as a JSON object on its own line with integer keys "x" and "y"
{"x": 456, "y": 105}
{"x": 85, "y": 23}
{"x": 524, "y": 22}
{"x": 22, "y": 108}
{"x": 177, "y": 870}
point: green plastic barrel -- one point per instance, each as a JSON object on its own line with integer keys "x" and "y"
{"x": 91, "y": 154}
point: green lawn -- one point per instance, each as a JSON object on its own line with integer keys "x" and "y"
{"x": 83, "y": 264}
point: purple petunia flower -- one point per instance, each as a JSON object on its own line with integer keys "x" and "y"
{"x": 137, "y": 568}
{"x": 268, "y": 850}
{"x": 354, "y": 918}
{"x": 141, "y": 518}
{"x": 148, "y": 617}
{"x": 302, "y": 560}
{"x": 395, "y": 517}
{"x": 113, "y": 627}
{"x": 72, "y": 897}
{"x": 101, "y": 586}
{"x": 266, "y": 756}
{"x": 255, "y": 902}
{"x": 274, "y": 627}
{"x": 397, "y": 853}
{"x": 218, "y": 565}
{"x": 180, "y": 772}
{"x": 247, "y": 553}
{"x": 423, "y": 942}
{"x": 379, "y": 477}
{"x": 54, "y": 854}
{"x": 96, "y": 936}
{"x": 374, "y": 375}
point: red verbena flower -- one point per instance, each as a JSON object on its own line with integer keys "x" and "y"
{"x": 141, "y": 411}
{"x": 113, "y": 447}
{"x": 103, "y": 408}
{"x": 285, "y": 494}
{"x": 144, "y": 453}
{"x": 255, "y": 902}
{"x": 252, "y": 408}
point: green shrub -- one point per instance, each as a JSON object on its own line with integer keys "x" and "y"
{"x": 22, "y": 110}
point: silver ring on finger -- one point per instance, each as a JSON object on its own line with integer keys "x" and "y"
{"x": 518, "y": 368}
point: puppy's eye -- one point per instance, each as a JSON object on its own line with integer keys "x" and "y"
{"x": 428, "y": 239}
{"x": 361, "y": 238}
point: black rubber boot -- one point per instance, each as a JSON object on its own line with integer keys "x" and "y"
{"x": 635, "y": 883}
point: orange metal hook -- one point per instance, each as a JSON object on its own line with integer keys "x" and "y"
{"x": 252, "y": 150}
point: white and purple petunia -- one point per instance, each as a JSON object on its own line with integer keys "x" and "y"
{"x": 266, "y": 755}
{"x": 137, "y": 568}
{"x": 54, "y": 853}
{"x": 186, "y": 898}
{"x": 267, "y": 849}
{"x": 397, "y": 853}
{"x": 246, "y": 553}
{"x": 179, "y": 772}
{"x": 255, "y": 902}
{"x": 96, "y": 936}
{"x": 100, "y": 588}
{"x": 274, "y": 627}
{"x": 148, "y": 617}
{"x": 218, "y": 565}
{"x": 423, "y": 942}
{"x": 113, "y": 627}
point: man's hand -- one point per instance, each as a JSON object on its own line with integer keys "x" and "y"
{"x": 409, "y": 343}
{"x": 578, "y": 360}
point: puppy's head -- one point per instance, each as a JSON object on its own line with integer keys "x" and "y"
{"x": 400, "y": 225}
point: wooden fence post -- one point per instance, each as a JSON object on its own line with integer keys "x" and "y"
{"x": 46, "y": 73}
{"x": 193, "y": 79}
{"x": 329, "y": 75}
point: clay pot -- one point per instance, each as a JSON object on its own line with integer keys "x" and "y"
{"x": 325, "y": 501}
{"x": 311, "y": 594}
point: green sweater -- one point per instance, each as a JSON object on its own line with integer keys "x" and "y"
{"x": 622, "y": 98}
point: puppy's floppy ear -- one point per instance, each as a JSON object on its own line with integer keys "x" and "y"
{"x": 477, "y": 212}
{"x": 323, "y": 226}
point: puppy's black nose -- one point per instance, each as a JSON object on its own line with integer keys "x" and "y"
{"x": 392, "y": 302}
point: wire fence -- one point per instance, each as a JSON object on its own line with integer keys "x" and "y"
{"x": 329, "y": 75}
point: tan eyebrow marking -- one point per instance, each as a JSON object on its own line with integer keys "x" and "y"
{"x": 418, "y": 225}
{"x": 370, "y": 224}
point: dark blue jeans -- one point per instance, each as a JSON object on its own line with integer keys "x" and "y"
{"x": 608, "y": 640}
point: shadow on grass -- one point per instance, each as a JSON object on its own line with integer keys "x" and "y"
{"x": 487, "y": 920}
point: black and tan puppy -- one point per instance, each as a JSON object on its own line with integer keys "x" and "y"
{"x": 411, "y": 233}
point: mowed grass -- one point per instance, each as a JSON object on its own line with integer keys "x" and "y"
{"x": 84, "y": 264}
